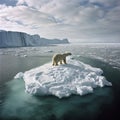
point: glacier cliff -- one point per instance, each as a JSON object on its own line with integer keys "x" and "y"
{"x": 20, "y": 39}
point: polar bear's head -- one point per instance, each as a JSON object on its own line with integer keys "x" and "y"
{"x": 67, "y": 53}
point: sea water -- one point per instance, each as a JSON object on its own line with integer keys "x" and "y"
{"x": 15, "y": 103}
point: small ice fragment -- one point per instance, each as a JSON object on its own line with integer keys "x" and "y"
{"x": 19, "y": 75}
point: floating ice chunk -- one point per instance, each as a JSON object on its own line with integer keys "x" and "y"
{"x": 24, "y": 55}
{"x": 19, "y": 75}
{"x": 49, "y": 51}
{"x": 64, "y": 80}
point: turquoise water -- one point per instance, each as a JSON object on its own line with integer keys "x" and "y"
{"x": 16, "y": 104}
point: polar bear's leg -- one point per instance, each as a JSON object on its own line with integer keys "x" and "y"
{"x": 53, "y": 63}
{"x": 60, "y": 61}
{"x": 54, "y": 60}
{"x": 56, "y": 63}
{"x": 64, "y": 60}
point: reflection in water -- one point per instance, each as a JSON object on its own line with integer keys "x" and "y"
{"x": 21, "y": 105}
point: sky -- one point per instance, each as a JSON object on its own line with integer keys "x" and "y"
{"x": 77, "y": 20}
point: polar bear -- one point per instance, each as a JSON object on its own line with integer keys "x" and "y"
{"x": 60, "y": 58}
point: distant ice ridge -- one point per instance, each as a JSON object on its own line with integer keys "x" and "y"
{"x": 21, "y": 39}
{"x": 64, "y": 80}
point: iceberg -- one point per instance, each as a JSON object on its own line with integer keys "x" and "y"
{"x": 75, "y": 77}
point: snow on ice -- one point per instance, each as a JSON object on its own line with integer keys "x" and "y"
{"x": 64, "y": 80}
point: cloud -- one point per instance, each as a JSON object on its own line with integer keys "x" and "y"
{"x": 68, "y": 12}
{"x": 106, "y": 3}
{"x": 65, "y": 11}
{"x": 74, "y": 19}
{"x": 25, "y": 15}
{"x": 33, "y": 3}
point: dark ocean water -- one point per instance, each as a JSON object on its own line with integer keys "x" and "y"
{"x": 15, "y": 104}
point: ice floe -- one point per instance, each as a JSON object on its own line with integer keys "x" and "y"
{"x": 75, "y": 77}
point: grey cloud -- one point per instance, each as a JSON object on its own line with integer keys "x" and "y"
{"x": 26, "y": 15}
{"x": 106, "y": 3}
